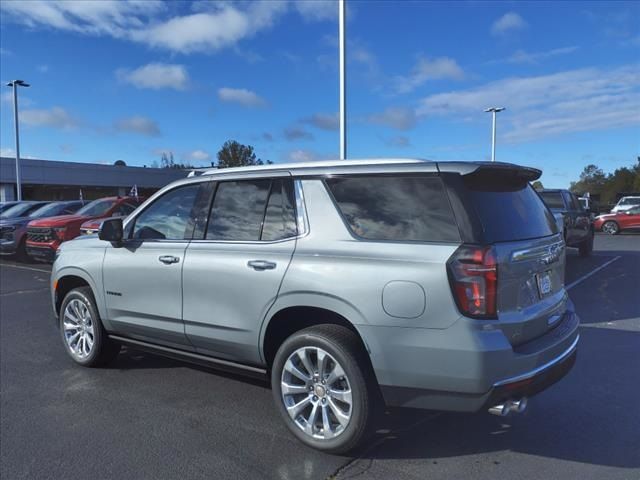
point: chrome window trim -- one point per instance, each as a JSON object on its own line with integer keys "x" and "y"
{"x": 301, "y": 210}
{"x": 541, "y": 368}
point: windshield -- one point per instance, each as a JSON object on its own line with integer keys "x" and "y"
{"x": 50, "y": 210}
{"x": 20, "y": 210}
{"x": 552, "y": 199}
{"x": 629, "y": 201}
{"x": 96, "y": 208}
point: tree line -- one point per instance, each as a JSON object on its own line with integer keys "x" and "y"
{"x": 608, "y": 187}
{"x": 232, "y": 154}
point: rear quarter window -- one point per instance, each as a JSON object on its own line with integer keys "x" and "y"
{"x": 510, "y": 211}
{"x": 395, "y": 208}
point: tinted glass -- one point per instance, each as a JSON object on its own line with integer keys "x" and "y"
{"x": 123, "y": 210}
{"x": 280, "y": 218}
{"x": 238, "y": 210}
{"x": 97, "y": 208}
{"x": 553, "y": 199}
{"x": 510, "y": 212}
{"x": 168, "y": 217}
{"x": 629, "y": 201}
{"x": 50, "y": 210}
{"x": 20, "y": 210}
{"x": 396, "y": 208}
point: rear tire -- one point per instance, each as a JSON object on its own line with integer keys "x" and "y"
{"x": 83, "y": 335}
{"x": 324, "y": 388}
{"x": 611, "y": 227}
{"x": 586, "y": 247}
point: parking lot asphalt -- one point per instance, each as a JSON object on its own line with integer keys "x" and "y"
{"x": 146, "y": 417}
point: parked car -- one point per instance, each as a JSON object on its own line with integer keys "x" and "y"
{"x": 420, "y": 284}
{"x": 13, "y": 230}
{"x": 625, "y": 203}
{"x": 92, "y": 226}
{"x": 44, "y": 236}
{"x": 5, "y": 205}
{"x": 21, "y": 209}
{"x": 578, "y": 225}
{"x": 614, "y": 223}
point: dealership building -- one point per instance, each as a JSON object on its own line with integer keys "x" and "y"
{"x": 53, "y": 180}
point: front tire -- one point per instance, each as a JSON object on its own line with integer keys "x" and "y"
{"x": 324, "y": 389}
{"x": 610, "y": 227}
{"x": 83, "y": 335}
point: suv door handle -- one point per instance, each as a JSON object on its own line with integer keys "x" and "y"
{"x": 168, "y": 259}
{"x": 261, "y": 265}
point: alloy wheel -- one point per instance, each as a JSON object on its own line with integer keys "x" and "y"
{"x": 78, "y": 328}
{"x": 316, "y": 393}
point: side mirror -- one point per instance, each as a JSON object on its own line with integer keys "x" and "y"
{"x": 111, "y": 230}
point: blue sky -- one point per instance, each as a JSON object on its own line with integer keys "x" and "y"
{"x": 129, "y": 80}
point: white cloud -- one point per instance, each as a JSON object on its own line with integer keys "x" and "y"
{"x": 303, "y": 156}
{"x": 540, "y": 106}
{"x": 401, "y": 118}
{"x": 317, "y": 10}
{"x": 244, "y": 97}
{"x": 211, "y": 27}
{"x": 55, "y": 117}
{"x": 295, "y": 132}
{"x": 155, "y": 76}
{"x": 521, "y": 56}
{"x": 223, "y": 26}
{"x": 42, "y": 68}
{"x": 114, "y": 18}
{"x": 7, "y": 98}
{"x": 198, "y": 156}
{"x": 138, "y": 124}
{"x": 507, "y": 23}
{"x": 7, "y": 152}
{"x": 429, "y": 69}
{"x": 324, "y": 121}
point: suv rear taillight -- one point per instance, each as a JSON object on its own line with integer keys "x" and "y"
{"x": 473, "y": 274}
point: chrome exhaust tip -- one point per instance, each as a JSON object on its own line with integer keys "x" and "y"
{"x": 510, "y": 406}
{"x": 501, "y": 410}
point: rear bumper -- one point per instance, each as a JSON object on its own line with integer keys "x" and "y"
{"x": 465, "y": 368}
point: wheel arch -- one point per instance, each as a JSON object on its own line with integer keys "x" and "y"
{"x": 302, "y": 311}
{"x": 70, "y": 278}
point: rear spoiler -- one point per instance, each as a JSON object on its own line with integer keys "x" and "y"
{"x": 491, "y": 169}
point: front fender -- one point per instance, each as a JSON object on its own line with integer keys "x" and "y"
{"x": 67, "y": 271}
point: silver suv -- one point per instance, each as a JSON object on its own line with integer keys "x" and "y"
{"x": 353, "y": 284}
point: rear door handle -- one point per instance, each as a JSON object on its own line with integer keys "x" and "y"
{"x": 261, "y": 265}
{"x": 168, "y": 259}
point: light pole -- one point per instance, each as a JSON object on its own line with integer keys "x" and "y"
{"x": 15, "y": 84}
{"x": 494, "y": 111}
{"x": 343, "y": 78}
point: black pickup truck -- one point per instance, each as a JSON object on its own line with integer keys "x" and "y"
{"x": 577, "y": 222}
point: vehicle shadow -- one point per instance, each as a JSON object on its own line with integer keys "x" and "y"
{"x": 591, "y": 416}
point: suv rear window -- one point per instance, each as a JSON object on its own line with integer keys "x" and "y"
{"x": 395, "y": 208}
{"x": 553, "y": 199}
{"x": 509, "y": 210}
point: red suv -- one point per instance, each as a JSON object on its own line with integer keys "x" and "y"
{"x": 45, "y": 235}
{"x": 612, "y": 223}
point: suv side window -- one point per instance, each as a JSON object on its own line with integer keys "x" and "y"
{"x": 238, "y": 210}
{"x": 280, "y": 217}
{"x": 568, "y": 202}
{"x": 575, "y": 203}
{"x": 252, "y": 210}
{"x": 168, "y": 217}
{"x": 396, "y": 208}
